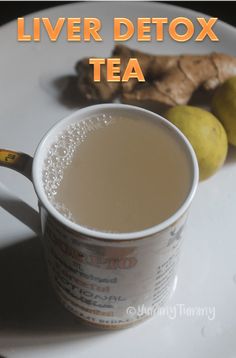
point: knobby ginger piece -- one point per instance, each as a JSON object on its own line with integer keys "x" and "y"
{"x": 94, "y": 91}
{"x": 170, "y": 80}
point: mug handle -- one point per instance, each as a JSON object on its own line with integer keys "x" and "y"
{"x": 22, "y": 163}
{"x": 18, "y": 161}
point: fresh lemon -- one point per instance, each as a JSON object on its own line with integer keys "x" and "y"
{"x": 224, "y": 107}
{"x": 206, "y": 134}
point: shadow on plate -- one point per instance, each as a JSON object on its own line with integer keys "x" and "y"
{"x": 19, "y": 209}
{"x": 30, "y": 314}
{"x": 231, "y": 157}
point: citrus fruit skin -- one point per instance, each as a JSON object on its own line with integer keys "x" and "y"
{"x": 224, "y": 107}
{"x": 206, "y": 135}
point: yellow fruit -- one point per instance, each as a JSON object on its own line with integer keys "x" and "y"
{"x": 205, "y": 133}
{"x": 224, "y": 107}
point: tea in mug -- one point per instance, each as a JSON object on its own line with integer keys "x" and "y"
{"x": 117, "y": 174}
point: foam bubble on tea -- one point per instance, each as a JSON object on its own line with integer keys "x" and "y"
{"x": 117, "y": 174}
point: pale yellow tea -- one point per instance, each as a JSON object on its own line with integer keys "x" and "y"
{"x": 117, "y": 174}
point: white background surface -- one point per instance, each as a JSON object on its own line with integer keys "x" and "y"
{"x": 32, "y": 323}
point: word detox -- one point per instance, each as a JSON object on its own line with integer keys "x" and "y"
{"x": 180, "y": 29}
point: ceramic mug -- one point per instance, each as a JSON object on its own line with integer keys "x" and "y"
{"x": 104, "y": 278}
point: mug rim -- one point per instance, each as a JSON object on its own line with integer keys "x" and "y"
{"x": 93, "y": 233}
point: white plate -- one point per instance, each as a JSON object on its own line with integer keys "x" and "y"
{"x": 32, "y": 323}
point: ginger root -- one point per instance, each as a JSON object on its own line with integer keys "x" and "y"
{"x": 94, "y": 91}
{"x": 170, "y": 80}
